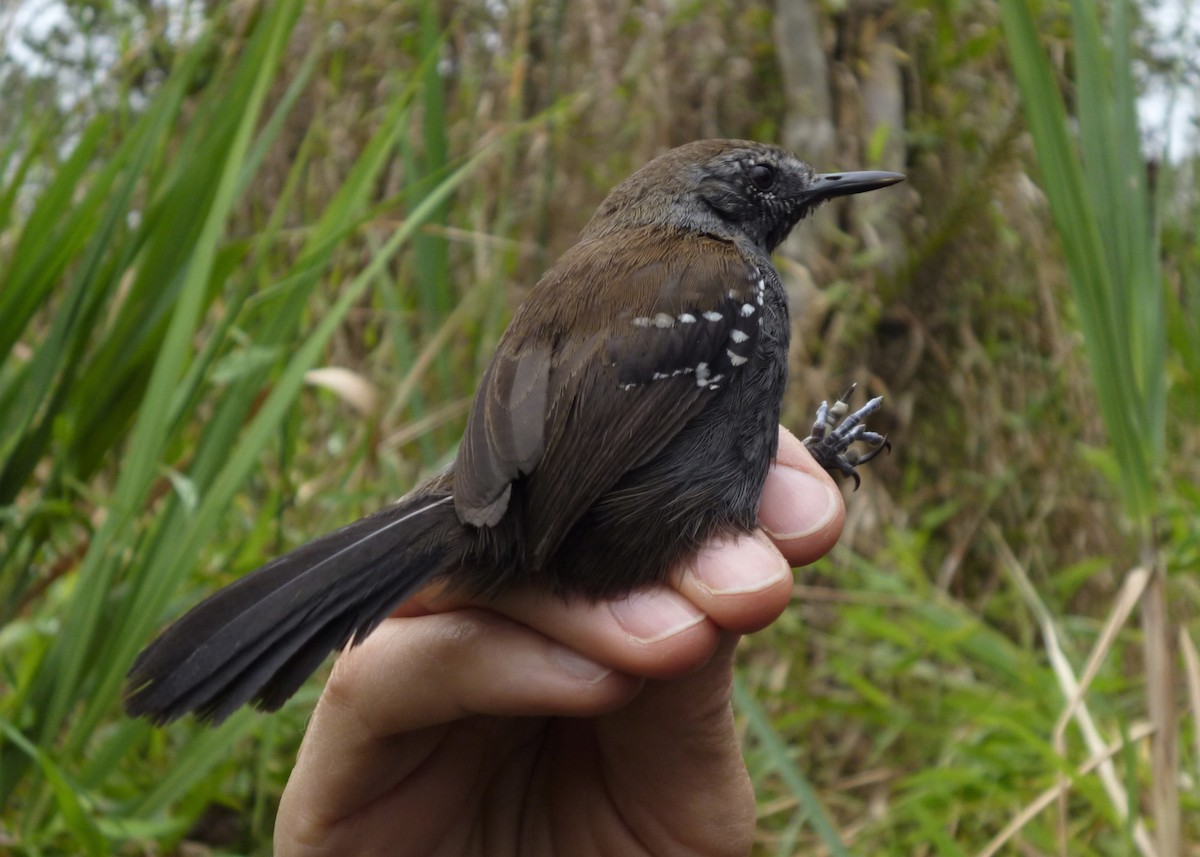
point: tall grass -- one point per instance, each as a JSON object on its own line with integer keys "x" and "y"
{"x": 996, "y": 716}
{"x": 1094, "y": 175}
{"x": 134, "y": 323}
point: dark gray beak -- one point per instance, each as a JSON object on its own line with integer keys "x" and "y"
{"x": 828, "y": 185}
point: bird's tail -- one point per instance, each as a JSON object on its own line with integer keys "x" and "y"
{"x": 260, "y": 637}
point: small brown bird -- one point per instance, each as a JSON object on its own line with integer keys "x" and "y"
{"x": 629, "y": 415}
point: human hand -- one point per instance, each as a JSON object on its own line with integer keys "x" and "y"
{"x": 526, "y": 725}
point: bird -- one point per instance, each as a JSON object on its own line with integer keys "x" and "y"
{"x": 629, "y": 415}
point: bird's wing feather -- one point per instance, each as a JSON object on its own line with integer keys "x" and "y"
{"x": 580, "y": 390}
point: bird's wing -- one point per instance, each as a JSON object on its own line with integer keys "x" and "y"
{"x": 578, "y": 395}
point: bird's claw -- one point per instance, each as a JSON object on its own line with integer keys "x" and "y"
{"x": 836, "y": 430}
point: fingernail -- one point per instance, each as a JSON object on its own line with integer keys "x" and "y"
{"x": 570, "y": 661}
{"x": 650, "y": 615}
{"x": 738, "y": 566}
{"x": 795, "y": 504}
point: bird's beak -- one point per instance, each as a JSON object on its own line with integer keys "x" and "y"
{"x": 828, "y": 185}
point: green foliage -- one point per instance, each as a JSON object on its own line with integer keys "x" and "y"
{"x": 777, "y": 759}
{"x": 1101, "y": 205}
{"x": 181, "y": 345}
{"x": 923, "y": 726}
{"x": 943, "y": 706}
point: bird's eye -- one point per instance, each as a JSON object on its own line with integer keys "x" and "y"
{"x": 763, "y": 176}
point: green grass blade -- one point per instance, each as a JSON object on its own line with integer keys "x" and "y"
{"x": 75, "y": 815}
{"x": 1101, "y": 219}
{"x": 781, "y": 761}
{"x": 67, "y": 661}
{"x": 205, "y": 750}
{"x": 281, "y": 312}
{"x": 185, "y": 547}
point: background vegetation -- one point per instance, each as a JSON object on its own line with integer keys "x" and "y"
{"x": 253, "y": 258}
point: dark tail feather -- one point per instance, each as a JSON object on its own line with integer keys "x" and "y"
{"x": 260, "y": 637}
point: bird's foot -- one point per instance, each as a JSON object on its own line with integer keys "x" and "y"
{"x": 836, "y": 429}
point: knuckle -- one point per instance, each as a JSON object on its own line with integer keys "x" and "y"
{"x": 471, "y": 630}
{"x": 347, "y": 676}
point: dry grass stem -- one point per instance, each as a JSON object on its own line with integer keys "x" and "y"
{"x": 1191, "y": 673}
{"x": 1069, "y": 686}
{"x": 452, "y": 325}
{"x": 1162, "y": 707}
{"x": 1137, "y": 733}
{"x": 348, "y": 385}
{"x": 432, "y": 420}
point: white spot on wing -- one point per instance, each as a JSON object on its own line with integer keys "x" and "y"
{"x": 642, "y": 321}
{"x": 736, "y": 359}
{"x": 687, "y": 318}
{"x": 747, "y": 310}
{"x": 701, "y": 374}
{"x": 713, "y": 316}
{"x": 738, "y": 336}
{"x": 663, "y": 320}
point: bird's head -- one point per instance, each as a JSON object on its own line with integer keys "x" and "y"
{"x": 728, "y": 187}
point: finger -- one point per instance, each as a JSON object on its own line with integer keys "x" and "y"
{"x": 802, "y": 509}
{"x": 371, "y": 729}
{"x": 654, "y": 632}
{"x": 741, "y": 584}
{"x": 435, "y": 669}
